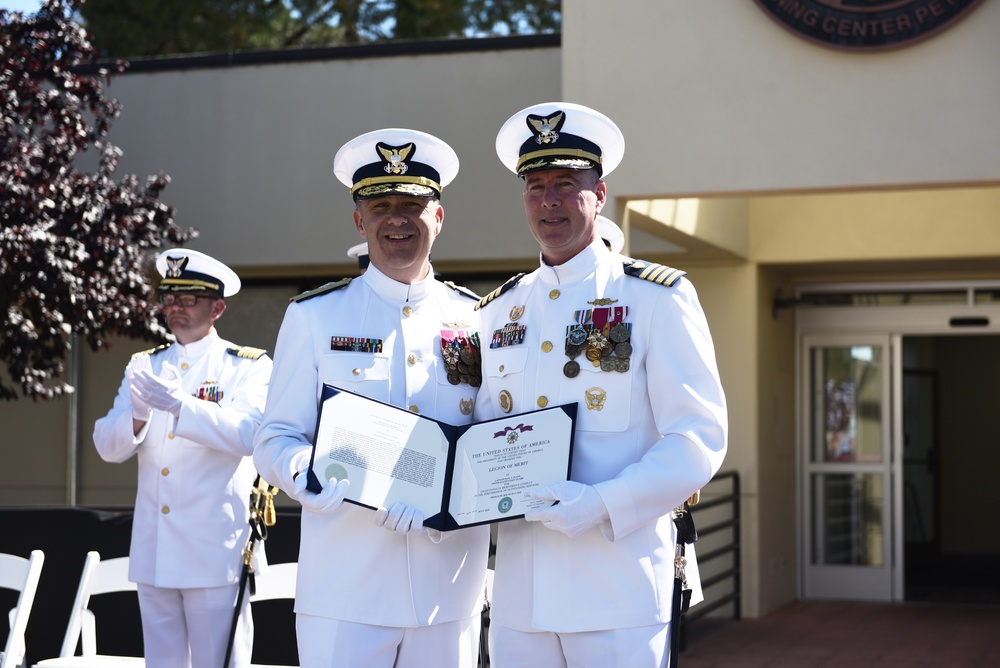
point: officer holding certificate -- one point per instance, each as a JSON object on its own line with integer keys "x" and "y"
{"x": 588, "y": 579}
{"x": 376, "y": 588}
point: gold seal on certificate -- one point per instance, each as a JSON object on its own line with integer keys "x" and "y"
{"x": 457, "y": 476}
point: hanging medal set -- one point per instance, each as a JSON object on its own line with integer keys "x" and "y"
{"x": 602, "y": 337}
{"x": 462, "y": 358}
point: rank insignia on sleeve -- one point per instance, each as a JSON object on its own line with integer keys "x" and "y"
{"x": 654, "y": 273}
{"x": 247, "y": 352}
{"x": 511, "y": 282}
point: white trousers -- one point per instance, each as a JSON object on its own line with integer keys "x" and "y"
{"x": 641, "y": 647}
{"x": 189, "y": 628}
{"x": 331, "y": 643}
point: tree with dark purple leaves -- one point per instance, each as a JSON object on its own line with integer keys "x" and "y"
{"x": 74, "y": 245}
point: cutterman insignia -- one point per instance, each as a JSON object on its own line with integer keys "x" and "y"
{"x": 322, "y": 290}
{"x": 511, "y": 282}
{"x": 654, "y": 273}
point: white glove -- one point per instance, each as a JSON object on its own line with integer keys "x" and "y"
{"x": 163, "y": 392}
{"x": 401, "y": 518}
{"x": 580, "y": 508}
{"x": 140, "y": 407}
{"x": 325, "y": 502}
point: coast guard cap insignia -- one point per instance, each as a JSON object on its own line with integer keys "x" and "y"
{"x": 546, "y": 130}
{"x": 395, "y": 157}
{"x": 175, "y": 266}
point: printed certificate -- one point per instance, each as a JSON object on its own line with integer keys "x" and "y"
{"x": 457, "y": 476}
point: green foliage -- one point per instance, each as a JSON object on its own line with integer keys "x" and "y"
{"x": 74, "y": 246}
{"x": 139, "y": 28}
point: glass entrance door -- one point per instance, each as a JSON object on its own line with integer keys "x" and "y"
{"x": 846, "y": 472}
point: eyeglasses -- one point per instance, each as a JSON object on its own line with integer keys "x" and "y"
{"x": 185, "y": 300}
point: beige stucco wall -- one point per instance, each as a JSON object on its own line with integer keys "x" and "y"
{"x": 954, "y": 223}
{"x": 716, "y": 97}
{"x": 250, "y": 149}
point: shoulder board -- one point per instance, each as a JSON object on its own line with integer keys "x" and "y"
{"x": 152, "y": 351}
{"x": 246, "y": 352}
{"x": 462, "y": 290}
{"x": 511, "y": 282}
{"x": 654, "y": 273}
{"x": 321, "y": 290}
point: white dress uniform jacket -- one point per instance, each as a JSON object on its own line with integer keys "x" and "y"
{"x": 195, "y": 471}
{"x": 646, "y": 438}
{"x": 349, "y": 568}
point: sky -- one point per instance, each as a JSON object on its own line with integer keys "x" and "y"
{"x": 24, "y": 6}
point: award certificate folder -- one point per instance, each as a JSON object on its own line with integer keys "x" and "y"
{"x": 457, "y": 476}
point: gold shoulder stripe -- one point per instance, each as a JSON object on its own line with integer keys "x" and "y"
{"x": 511, "y": 282}
{"x": 321, "y": 290}
{"x": 152, "y": 351}
{"x": 247, "y": 352}
{"x": 654, "y": 273}
{"x": 462, "y": 290}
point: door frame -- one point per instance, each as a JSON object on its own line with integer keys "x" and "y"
{"x": 842, "y": 323}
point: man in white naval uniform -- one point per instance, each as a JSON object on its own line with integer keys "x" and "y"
{"x": 588, "y": 581}
{"x": 188, "y": 411}
{"x": 375, "y": 588}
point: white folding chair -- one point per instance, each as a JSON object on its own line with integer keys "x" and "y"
{"x": 21, "y": 575}
{"x": 276, "y": 582}
{"x": 98, "y": 577}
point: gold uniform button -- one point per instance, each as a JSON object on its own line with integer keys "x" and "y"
{"x": 164, "y": 471}
{"x": 165, "y": 510}
{"x": 414, "y": 409}
{"x": 170, "y": 436}
{"x": 412, "y": 358}
{"x": 501, "y": 367}
{"x": 407, "y": 311}
{"x": 542, "y": 401}
{"x": 184, "y": 365}
{"x": 554, "y": 294}
{"x": 546, "y": 346}
{"x": 356, "y": 372}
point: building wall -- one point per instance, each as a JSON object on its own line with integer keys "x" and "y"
{"x": 904, "y": 225}
{"x": 250, "y": 149}
{"x": 716, "y": 97}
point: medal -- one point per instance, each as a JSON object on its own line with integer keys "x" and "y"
{"x": 461, "y": 357}
{"x": 620, "y": 332}
{"x": 602, "y": 335}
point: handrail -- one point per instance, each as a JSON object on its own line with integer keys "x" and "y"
{"x": 729, "y": 549}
